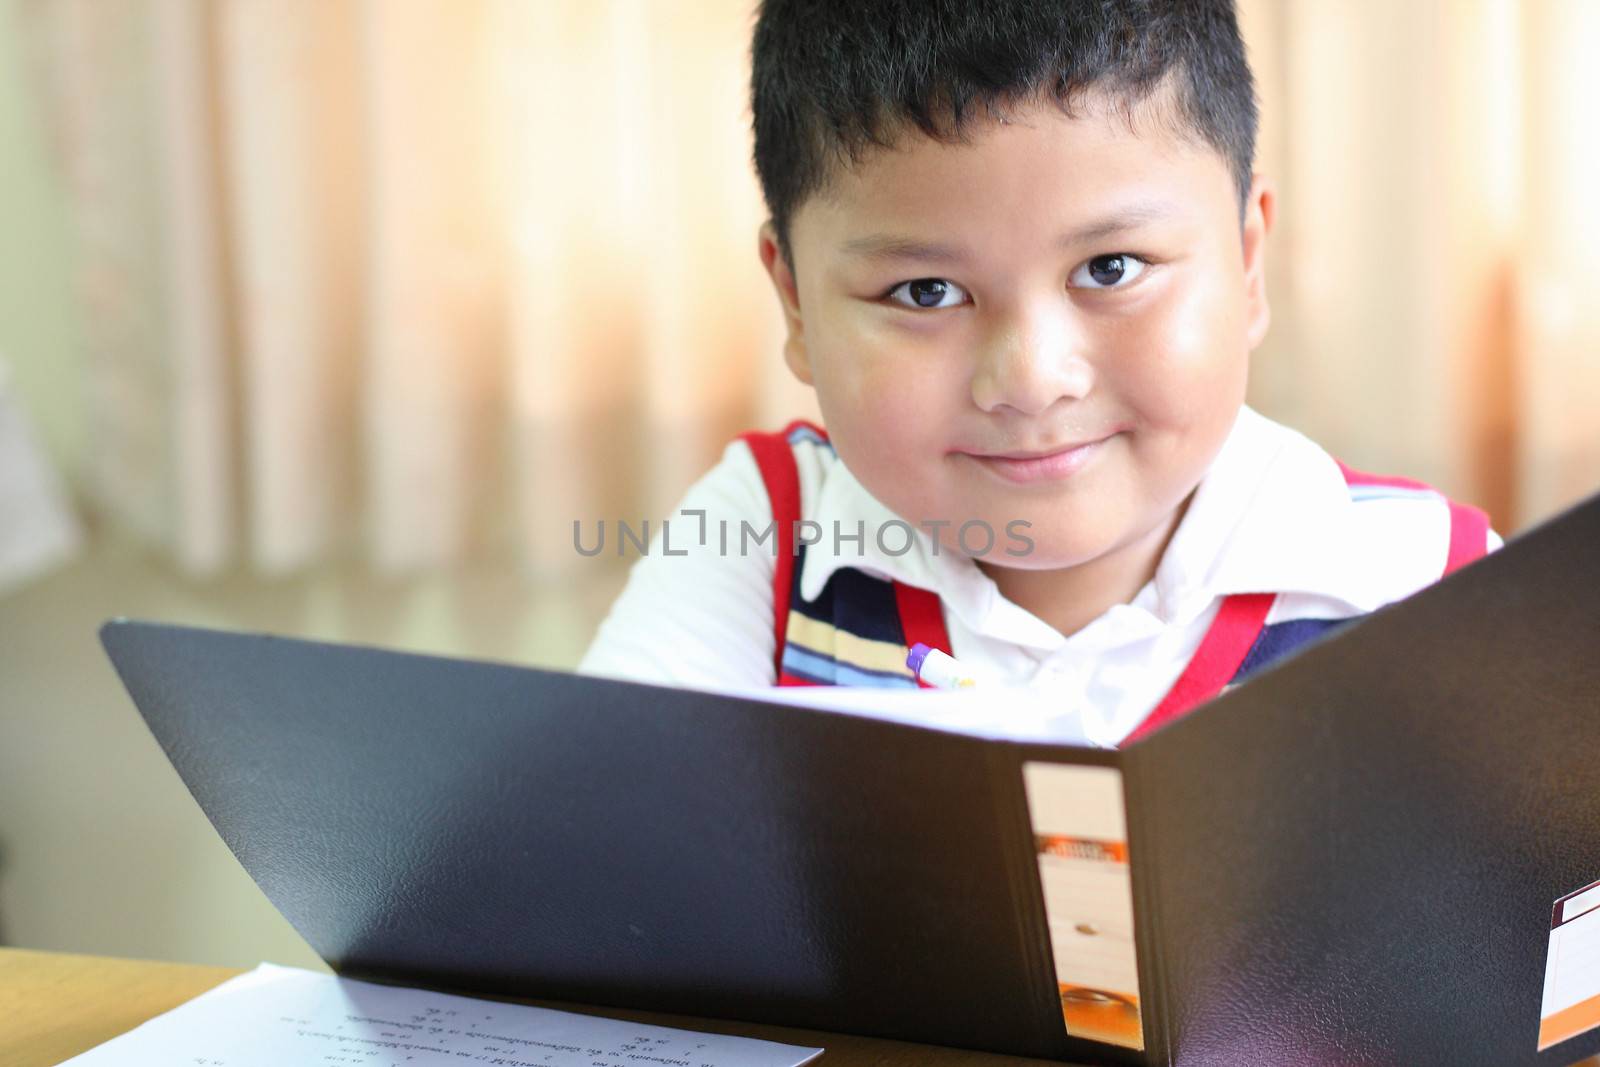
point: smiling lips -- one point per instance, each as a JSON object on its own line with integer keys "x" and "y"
{"x": 1026, "y": 468}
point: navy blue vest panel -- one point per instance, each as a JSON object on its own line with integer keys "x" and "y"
{"x": 1282, "y": 638}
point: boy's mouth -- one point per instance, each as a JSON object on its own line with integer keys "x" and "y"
{"x": 1053, "y": 464}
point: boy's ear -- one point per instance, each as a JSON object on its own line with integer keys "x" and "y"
{"x": 1258, "y": 214}
{"x": 794, "y": 347}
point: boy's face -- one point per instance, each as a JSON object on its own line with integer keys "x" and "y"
{"x": 1056, "y": 283}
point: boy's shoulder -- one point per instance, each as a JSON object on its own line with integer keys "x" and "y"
{"x": 1303, "y": 522}
{"x": 792, "y": 464}
{"x": 803, "y": 439}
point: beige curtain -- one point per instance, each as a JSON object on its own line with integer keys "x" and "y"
{"x": 1436, "y": 269}
{"x": 408, "y": 280}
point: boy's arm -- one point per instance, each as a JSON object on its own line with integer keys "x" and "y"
{"x": 703, "y": 618}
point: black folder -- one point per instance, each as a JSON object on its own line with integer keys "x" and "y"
{"x": 1350, "y": 859}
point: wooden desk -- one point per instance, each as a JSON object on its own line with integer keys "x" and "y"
{"x": 54, "y": 1006}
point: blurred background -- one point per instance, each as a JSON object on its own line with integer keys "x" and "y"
{"x": 328, "y": 318}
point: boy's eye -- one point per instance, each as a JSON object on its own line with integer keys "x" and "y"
{"x": 927, "y": 293}
{"x": 1108, "y": 272}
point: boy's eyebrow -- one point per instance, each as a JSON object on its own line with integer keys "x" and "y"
{"x": 881, "y": 246}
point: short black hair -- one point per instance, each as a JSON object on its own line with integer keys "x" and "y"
{"x": 832, "y": 79}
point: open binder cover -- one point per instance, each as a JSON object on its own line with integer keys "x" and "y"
{"x": 1350, "y": 859}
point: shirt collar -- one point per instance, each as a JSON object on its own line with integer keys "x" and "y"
{"x": 1269, "y": 516}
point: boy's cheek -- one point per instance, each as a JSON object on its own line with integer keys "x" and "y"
{"x": 889, "y": 430}
{"x": 1184, "y": 361}
{"x": 892, "y": 432}
{"x": 872, "y": 374}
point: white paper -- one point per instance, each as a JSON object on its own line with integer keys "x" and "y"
{"x": 274, "y": 1016}
{"x": 1571, "y": 977}
{"x": 1581, "y": 904}
{"x": 1001, "y": 713}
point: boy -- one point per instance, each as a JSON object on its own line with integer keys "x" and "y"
{"x": 1020, "y": 252}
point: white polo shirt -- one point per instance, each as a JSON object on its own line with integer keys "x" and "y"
{"x": 1274, "y": 514}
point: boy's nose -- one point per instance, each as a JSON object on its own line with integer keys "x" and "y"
{"x": 1029, "y": 365}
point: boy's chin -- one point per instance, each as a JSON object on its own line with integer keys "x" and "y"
{"x": 1031, "y": 564}
{"x": 1042, "y": 555}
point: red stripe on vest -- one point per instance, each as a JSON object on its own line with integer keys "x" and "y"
{"x": 921, "y": 619}
{"x": 1469, "y": 535}
{"x": 782, "y": 478}
{"x": 1355, "y": 477}
{"x": 1239, "y": 622}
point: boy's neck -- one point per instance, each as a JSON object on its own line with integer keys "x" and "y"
{"x": 1072, "y": 597}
